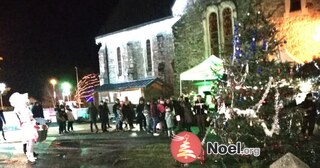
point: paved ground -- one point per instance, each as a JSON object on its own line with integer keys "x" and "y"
{"x": 80, "y": 149}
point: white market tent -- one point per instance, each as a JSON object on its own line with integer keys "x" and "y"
{"x": 209, "y": 69}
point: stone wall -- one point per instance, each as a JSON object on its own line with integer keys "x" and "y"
{"x": 188, "y": 42}
{"x": 134, "y": 60}
{"x": 190, "y": 31}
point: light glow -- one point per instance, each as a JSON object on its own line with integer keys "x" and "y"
{"x": 53, "y": 82}
{"x": 2, "y": 87}
{"x": 302, "y": 35}
{"x": 66, "y": 87}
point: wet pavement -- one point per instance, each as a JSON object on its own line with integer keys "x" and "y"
{"x": 80, "y": 149}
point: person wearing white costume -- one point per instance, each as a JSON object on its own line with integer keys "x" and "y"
{"x": 27, "y": 122}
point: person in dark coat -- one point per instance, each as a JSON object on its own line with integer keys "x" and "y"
{"x": 154, "y": 113}
{"x": 199, "y": 108}
{"x": 179, "y": 113}
{"x": 128, "y": 112}
{"x": 103, "y": 112}
{"x": 93, "y": 116}
{"x": 65, "y": 116}
{"x": 37, "y": 110}
{"x": 309, "y": 118}
{"x": 105, "y": 105}
{"x": 141, "y": 119}
{"x": 2, "y": 122}
{"x": 187, "y": 113}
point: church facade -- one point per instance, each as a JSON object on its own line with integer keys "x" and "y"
{"x": 197, "y": 29}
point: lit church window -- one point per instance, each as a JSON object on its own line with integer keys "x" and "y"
{"x": 227, "y": 30}
{"x": 213, "y": 32}
{"x": 119, "y": 61}
{"x": 149, "y": 60}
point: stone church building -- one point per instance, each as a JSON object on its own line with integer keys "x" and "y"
{"x": 146, "y": 60}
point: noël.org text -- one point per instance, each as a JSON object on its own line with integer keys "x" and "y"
{"x": 231, "y": 149}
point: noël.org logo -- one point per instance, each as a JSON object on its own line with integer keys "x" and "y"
{"x": 186, "y": 147}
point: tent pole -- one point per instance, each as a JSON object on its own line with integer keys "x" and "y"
{"x": 180, "y": 87}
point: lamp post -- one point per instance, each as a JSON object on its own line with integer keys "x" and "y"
{"x": 77, "y": 77}
{"x": 66, "y": 87}
{"x": 2, "y": 89}
{"x": 53, "y": 83}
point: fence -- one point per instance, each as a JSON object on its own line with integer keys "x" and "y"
{"x": 12, "y": 122}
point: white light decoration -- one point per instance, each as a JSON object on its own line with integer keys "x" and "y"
{"x": 305, "y": 86}
{"x": 180, "y": 7}
{"x": 316, "y": 36}
{"x": 2, "y": 89}
{"x": 300, "y": 98}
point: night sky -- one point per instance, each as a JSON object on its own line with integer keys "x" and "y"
{"x": 44, "y": 39}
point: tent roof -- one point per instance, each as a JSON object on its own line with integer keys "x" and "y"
{"x": 204, "y": 70}
{"x": 127, "y": 85}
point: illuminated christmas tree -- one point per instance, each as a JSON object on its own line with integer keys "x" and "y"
{"x": 256, "y": 99}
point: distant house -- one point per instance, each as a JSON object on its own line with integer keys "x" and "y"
{"x": 162, "y": 49}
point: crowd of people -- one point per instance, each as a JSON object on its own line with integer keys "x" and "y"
{"x": 64, "y": 115}
{"x": 153, "y": 116}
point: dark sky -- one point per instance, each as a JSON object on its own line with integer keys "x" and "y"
{"x": 43, "y": 39}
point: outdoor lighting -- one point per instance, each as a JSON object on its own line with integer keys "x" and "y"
{"x": 53, "y": 83}
{"x": 302, "y": 37}
{"x": 2, "y": 89}
{"x": 316, "y": 36}
{"x": 66, "y": 87}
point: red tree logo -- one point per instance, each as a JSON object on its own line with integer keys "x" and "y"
{"x": 186, "y": 147}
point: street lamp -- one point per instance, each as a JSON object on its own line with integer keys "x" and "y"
{"x": 77, "y": 77}
{"x": 66, "y": 87}
{"x": 53, "y": 83}
{"x": 2, "y": 89}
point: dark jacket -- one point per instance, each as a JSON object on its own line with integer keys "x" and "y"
{"x": 103, "y": 112}
{"x": 93, "y": 113}
{"x": 37, "y": 111}
{"x": 154, "y": 110}
{"x": 199, "y": 107}
{"x": 127, "y": 110}
{"x": 310, "y": 108}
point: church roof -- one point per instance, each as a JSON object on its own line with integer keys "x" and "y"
{"x": 128, "y": 85}
{"x": 130, "y": 13}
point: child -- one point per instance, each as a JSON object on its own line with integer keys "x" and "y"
{"x": 119, "y": 120}
{"x": 169, "y": 121}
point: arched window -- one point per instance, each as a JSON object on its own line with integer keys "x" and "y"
{"x": 227, "y": 30}
{"x": 213, "y": 33}
{"x": 149, "y": 61}
{"x": 160, "y": 41}
{"x": 119, "y": 61}
{"x": 219, "y": 21}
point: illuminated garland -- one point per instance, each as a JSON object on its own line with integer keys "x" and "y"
{"x": 252, "y": 112}
{"x": 86, "y": 87}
